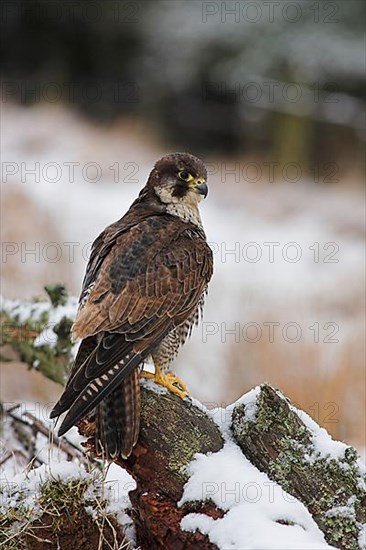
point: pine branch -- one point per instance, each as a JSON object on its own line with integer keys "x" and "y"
{"x": 39, "y": 331}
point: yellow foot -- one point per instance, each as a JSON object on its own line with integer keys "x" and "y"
{"x": 172, "y": 383}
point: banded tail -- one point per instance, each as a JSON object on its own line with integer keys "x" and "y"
{"x": 118, "y": 419}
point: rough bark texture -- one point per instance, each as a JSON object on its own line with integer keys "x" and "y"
{"x": 279, "y": 443}
{"x": 172, "y": 431}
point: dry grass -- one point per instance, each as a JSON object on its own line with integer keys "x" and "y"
{"x": 26, "y": 229}
{"x": 61, "y": 520}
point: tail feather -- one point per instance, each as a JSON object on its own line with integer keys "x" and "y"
{"x": 99, "y": 388}
{"x": 94, "y": 368}
{"x": 118, "y": 419}
{"x": 86, "y": 351}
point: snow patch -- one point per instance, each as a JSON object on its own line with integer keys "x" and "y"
{"x": 21, "y": 484}
{"x": 223, "y": 416}
{"x": 257, "y": 509}
{"x": 150, "y": 385}
{"x": 119, "y": 483}
{"x": 362, "y": 537}
{"x": 24, "y": 489}
{"x": 325, "y": 446}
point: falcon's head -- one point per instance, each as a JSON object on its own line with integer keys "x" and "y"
{"x": 179, "y": 178}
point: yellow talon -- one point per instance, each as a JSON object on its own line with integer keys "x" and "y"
{"x": 169, "y": 380}
{"x": 172, "y": 383}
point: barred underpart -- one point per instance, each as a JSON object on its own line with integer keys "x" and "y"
{"x": 165, "y": 353}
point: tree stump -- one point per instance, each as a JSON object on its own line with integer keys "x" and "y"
{"x": 172, "y": 432}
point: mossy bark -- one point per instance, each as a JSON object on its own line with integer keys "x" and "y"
{"x": 279, "y": 443}
{"x": 172, "y": 431}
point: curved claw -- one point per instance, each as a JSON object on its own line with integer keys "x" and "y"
{"x": 172, "y": 382}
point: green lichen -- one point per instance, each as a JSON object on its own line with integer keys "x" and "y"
{"x": 279, "y": 443}
{"x": 179, "y": 459}
{"x": 343, "y": 530}
{"x": 187, "y": 431}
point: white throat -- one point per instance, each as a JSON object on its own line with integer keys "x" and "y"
{"x": 184, "y": 208}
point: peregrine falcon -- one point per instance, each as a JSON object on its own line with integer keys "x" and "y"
{"x": 142, "y": 293}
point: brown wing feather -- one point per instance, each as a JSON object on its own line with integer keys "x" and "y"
{"x": 167, "y": 271}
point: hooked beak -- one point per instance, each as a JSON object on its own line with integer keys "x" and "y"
{"x": 200, "y": 187}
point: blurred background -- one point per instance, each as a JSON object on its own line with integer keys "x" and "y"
{"x": 271, "y": 96}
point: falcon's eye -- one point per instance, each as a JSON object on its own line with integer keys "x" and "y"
{"x": 184, "y": 175}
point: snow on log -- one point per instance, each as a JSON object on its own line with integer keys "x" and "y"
{"x": 256, "y": 474}
{"x": 182, "y": 496}
{"x": 172, "y": 432}
{"x": 325, "y": 475}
